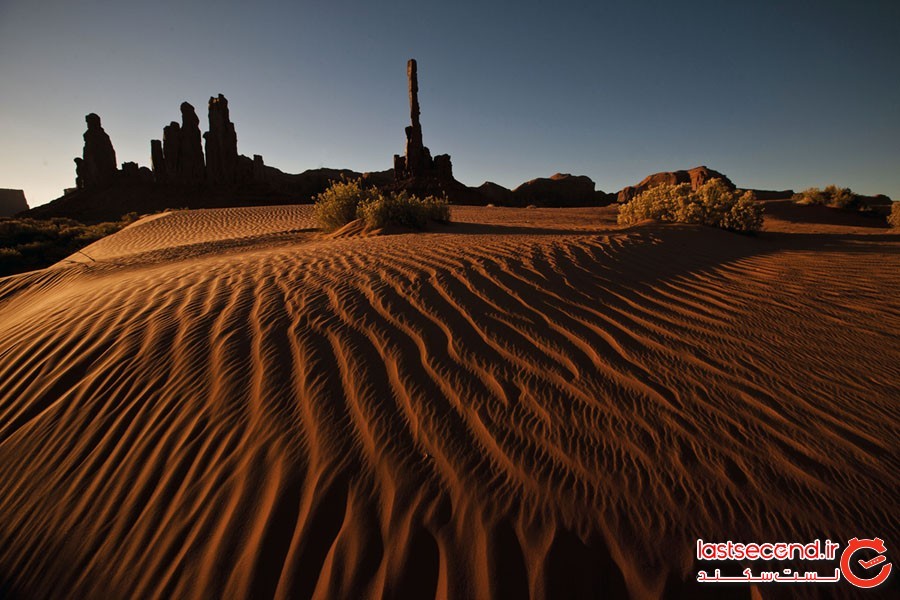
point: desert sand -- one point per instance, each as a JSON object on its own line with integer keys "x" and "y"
{"x": 527, "y": 402}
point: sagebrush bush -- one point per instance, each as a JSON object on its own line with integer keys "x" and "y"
{"x": 404, "y": 210}
{"x": 346, "y": 201}
{"x": 336, "y": 206}
{"x": 711, "y": 204}
{"x": 832, "y": 195}
{"x": 894, "y": 217}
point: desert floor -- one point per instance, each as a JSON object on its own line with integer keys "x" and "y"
{"x": 228, "y": 403}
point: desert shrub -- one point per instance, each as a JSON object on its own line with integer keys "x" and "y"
{"x": 832, "y": 195}
{"x": 894, "y": 217}
{"x": 27, "y": 244}
{"x": 711, "y": 204}
{"x": 346, "y": 201}
{"x": 404, "y": 210}
{"x": 336, "y": 206}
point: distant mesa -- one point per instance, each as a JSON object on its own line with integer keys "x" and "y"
{"x": 696, "y": 177}
{"x": 560, "y": 190}
{"x": 496, "y": 194}
{"x": 12, "y": 202}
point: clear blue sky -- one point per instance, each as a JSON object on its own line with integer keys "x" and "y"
{"x": 774, "y": 94}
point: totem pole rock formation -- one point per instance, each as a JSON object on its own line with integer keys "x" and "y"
{"x": 417, "y": 161}
{"x": 221, "y": 144}
{"x": 98, "y": 163}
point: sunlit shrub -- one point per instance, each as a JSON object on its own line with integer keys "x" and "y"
{"x": 712, "y": 204}
{"x": 832, "y": 195}
{"x": 894, "y": 217}
{"x": 346, "y": 201}
{"x": 404, "y": 210}
{"x": 336, "y": 206}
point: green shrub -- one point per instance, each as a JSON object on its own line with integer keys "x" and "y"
{"x": 711, "y": 204}
{"x": 336, "y": 206}
{"x": 404, "y": 210}
{"x": 346, "y": 201}
{"x": 832, "y": 195}
{"x": 27, "y": 244}
{"x": 894, "y": 217}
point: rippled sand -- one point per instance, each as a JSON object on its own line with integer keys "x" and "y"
{"x": 226, "y": 403}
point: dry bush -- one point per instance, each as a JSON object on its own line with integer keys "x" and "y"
{"x": 27, "y": 244}
{"x": 336, "y": 206}
{"x": 711, "y": 204}
{"x": 346, "y": 201}
{"x": 894, "y": 217}
{"x": 404, "y": 210}
{"x": 832, "y": 195}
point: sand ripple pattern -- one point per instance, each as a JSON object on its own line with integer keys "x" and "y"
{"x": 482, "y": 412}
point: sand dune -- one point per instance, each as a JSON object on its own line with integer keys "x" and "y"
{"x": 525, "y": 403}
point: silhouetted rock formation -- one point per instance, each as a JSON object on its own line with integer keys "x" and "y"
{"x": 12, "y": 202}
{"x": 221, "y": 144}
{"x": 181, "y": 176}
{"x": 559, "y": 190}
{"x": 417, "y": 162}
{"x": 79, "y": 173}
{"x": 190, "y": 149}
{"x": 171, "y": 152}
{"x": 875, "y": 205}
{"x": 259, "y": 168}
{"x": 132, "y": 173}
{"x": 696, "y": 177}
{"x": 98, "y": 166}
{"x": 496, "y": 194}
{"x": 158, "y": 161}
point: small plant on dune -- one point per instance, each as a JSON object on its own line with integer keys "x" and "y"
{"x": 346, "y": 201}
{"x": 712, "y": 204}
{"x": 832, "y": 195}
{"x": 336, "y": 206}
{"x": 894, "y": 217}
{"x": 403, "y": 209}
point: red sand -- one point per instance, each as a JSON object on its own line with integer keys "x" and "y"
{"x": 526, "y": 402}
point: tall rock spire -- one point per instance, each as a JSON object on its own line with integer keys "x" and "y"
{"x": 417, "y": 161}
{"x": 221, "y": 143}
{"x": 98, "y": 164}
{"x": 190, "y": 151}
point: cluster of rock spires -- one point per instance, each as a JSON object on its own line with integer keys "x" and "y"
{"x": 176, "y": 159}
{"x": 184, "y": 173}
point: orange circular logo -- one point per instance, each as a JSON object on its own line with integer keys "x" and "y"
{"x": 852, "y": 547}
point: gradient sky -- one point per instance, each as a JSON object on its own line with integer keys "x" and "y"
{"x": 774, "y": 94}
